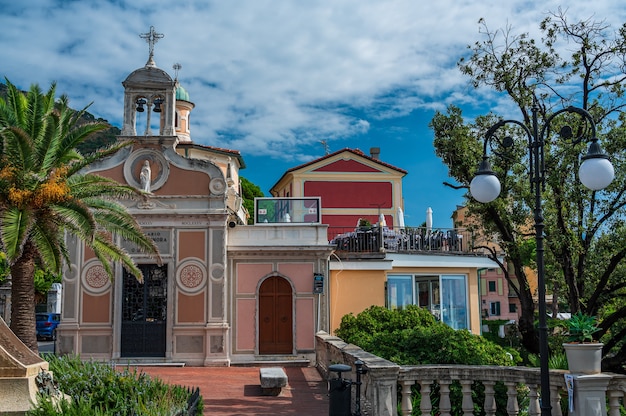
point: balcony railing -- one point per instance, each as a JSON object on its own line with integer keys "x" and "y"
{"x": 401, "y": 240}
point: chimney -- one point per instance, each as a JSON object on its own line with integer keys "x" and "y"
{"x": 375, "y": 152}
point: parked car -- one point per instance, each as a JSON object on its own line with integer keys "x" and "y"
{"x": 47, "y": 325}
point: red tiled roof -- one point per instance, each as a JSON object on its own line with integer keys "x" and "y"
{"x": 354, "y": 151}
{"x": 235, "y": 153}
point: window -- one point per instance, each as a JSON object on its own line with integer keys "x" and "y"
{"x": 494, "y": 309}
{"x": 399, "y": 291}
{"x": 512, "y": 308}
{"x": 454, "y": 301}
{"x": 444, "y": 296}
{"x": 492, "y": 286}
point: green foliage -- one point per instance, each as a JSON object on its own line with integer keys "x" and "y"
{"x": 556, "y": 361}
{"x": 412, "y": 336}
{"x": 44, "y": 280}
{"x": 582, "y": 328}
{"x": 5, "y": 271}
{"x": 99, "y": 389}
{"x": 248, "y": 192}
{"x": 365, "y": 223}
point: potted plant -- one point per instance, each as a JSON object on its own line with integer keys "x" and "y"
{"x": 364, "y": 224}
{"x": 583, "y": 351}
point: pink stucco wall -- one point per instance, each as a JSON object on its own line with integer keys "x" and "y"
{"x": 248, "y": 276}
{"x": 246, "y": 324}
{"x": 305, "y": 332}
{"x": 301, "y": 275}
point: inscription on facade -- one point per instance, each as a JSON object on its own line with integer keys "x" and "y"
{"x": 161, "y": 238}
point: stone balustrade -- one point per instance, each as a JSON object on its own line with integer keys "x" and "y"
{"x": 517, "y": 380}
{"x": 380, "y": 384}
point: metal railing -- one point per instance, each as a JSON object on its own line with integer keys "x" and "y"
{"x": 401, "y": 240}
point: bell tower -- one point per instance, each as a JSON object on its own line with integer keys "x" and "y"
{"x": 149, "y": 98}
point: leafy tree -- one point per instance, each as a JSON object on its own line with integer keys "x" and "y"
{"x": 249, "y": 192}
{"x": 590, "y": 74}
{"x": 44, "y": 194}
{"x": 44, "y": 280}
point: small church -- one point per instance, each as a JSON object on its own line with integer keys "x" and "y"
{"x": 213, "y": 298}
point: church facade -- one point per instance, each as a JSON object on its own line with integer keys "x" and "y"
{"x": 206, "y": 302}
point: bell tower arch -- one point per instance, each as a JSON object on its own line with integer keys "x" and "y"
{"x": 150, "y": 91}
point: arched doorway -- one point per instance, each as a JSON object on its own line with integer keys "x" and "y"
{"x": 275, "y": 316}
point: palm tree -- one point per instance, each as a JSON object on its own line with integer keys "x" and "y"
{"x": 44, "y": 194}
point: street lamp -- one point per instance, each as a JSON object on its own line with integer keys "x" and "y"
{"x": 596, "y": 172}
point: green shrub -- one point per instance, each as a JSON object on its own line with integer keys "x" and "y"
{"x": 97, "y": 388}
{"x": 412, "y": 336}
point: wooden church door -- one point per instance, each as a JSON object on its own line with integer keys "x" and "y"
{"x": 275, "y": 316}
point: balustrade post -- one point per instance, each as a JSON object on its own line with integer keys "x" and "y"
{"x": 425, "y": 404}
{"x": 555, "y": 400}
{"x": 533, "y": 401}
{"x": 445, "y": 406}
{"x": 614, "y": 403}
{"x": 467, "y": 405}
{"x": 407, "y": 403}
{"x": 512, "y": 406}
{"x": 490, "y": 398}
{"x": 383, "y": 391}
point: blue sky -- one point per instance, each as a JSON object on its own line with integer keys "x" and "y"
{"x": 273, "y": 79}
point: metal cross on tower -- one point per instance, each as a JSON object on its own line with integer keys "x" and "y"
{"x": 151, "y": 37}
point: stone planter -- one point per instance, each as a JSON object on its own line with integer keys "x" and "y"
{"x": 584, "y": 358}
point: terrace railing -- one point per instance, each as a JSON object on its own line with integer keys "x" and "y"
{"x": 401, "y": 240}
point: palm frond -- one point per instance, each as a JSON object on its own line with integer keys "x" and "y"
{"x": 17, "y": 147}
{"x": 75, "y": 215}
{"x": 91, "y": 185}
{"x": 108, "y": 252}
{"x": 98, "y": 155}
{"x": 15, "y": 226}
{"x": 16, "y": 103}
{"x": 39, "y": 106}
{"x": 47, "y": 241}
{"x": 47, "y": 144}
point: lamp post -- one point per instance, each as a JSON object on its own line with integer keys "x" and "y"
{"x": 596, "y": 172}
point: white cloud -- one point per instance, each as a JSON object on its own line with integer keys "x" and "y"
{"x": 270, "y": 78}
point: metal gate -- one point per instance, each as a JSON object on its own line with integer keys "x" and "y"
{"x": 144, "y": 312}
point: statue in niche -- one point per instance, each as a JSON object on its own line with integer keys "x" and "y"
{"x": 145, "y": 176}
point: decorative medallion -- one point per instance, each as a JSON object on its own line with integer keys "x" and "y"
{"x": 191, "y": 276}
{"x": 217, "y": 186}
{"x": 217, "y": 271}
{"x": 96, "y": 278}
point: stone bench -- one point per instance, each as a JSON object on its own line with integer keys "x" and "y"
{"x": 273, "y": 379}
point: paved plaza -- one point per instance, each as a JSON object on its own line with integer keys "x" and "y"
{"x": 236, "y": 391}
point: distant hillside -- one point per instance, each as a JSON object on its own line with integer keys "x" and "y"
{"x": 99, "y": 140}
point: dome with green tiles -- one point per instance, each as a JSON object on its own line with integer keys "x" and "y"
{"x": 182, "y": 94}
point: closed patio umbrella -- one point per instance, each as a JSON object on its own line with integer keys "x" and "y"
{"x": 400, "y": 218}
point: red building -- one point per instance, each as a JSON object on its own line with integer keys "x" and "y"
{"x": 351, "y": 184}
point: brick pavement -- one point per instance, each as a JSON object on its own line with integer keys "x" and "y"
{"x": 236, "y": 391}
